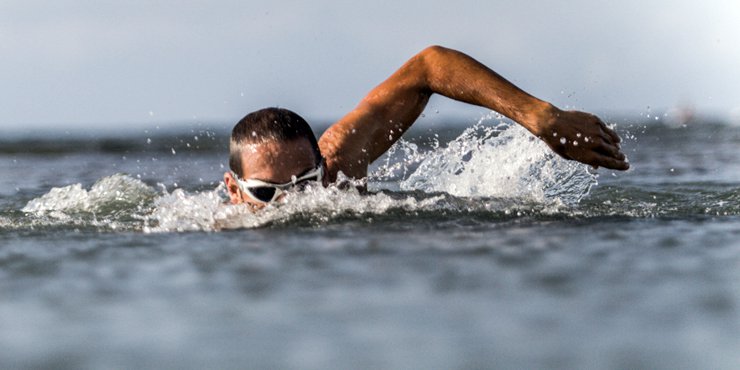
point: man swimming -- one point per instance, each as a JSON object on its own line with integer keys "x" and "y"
{"x": 274, "y": 149}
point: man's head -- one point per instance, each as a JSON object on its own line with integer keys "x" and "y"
{"x": 271, "y": 145}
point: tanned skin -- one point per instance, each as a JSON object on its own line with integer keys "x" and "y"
{"x": 365, "y": 133}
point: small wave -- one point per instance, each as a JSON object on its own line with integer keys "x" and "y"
{"x": 482, "y": 171}
{"x": 108, "y": 195}
{"x": 207, "y": 210}
{"x": 114, "y": 202}
{"x": 492, "y": 172}
{"x": 700, "y": 199}
{"x": 5, "y": 222}
{"x": 503, "y": 161}
{"x": 317, "y": 205}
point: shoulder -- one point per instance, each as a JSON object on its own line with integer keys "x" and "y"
{"x": 343, "y": 152}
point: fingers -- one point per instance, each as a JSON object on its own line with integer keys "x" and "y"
{"x": 609, "y": 156}
{"x": 603, "y": 153}
{"x": 611, "y": 134}
{"x": 610, "y": 150}
{"x": 609, "y": 162}
{"x": 598, "y": 160}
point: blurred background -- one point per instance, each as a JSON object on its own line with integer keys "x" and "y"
{"x": 111, "y": 65}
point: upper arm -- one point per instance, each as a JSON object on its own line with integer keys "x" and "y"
{"x": 378, "y": 121}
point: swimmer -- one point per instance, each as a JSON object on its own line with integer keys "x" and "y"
{"x": 274, "y": 149}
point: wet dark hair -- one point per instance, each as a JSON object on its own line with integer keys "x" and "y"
{"x": 268, "y": 124}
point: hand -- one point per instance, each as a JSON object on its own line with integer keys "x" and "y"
{"x": 583, "y": 137}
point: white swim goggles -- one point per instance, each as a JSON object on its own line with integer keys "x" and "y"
{"x": 266, "y": 192}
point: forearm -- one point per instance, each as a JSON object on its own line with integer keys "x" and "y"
{"x": 573, "y": 135}
{"x": 458, "y": 76}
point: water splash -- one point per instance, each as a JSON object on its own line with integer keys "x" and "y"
{"x": 314, "y": 205}
{"x": 108, "y": 195}
{"x": 493, "y": 171}
{"x": 502, "y": 160}
{"x": 115, "y": 202}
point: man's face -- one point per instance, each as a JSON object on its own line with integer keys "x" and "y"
{"x": 273, "y": 162}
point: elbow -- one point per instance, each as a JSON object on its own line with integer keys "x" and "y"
{"x": 433, "y": 50}
{"x": 432, "y": 63}
{"x": 435, "y": 54}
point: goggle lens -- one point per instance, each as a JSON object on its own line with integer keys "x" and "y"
{"x": 267, "y": 192}
{"x": 263, "y": 193}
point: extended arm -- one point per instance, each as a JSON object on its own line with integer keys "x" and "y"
{"x": 365, "y": 133}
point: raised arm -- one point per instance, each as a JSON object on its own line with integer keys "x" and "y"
{"x": 380, "y": 119}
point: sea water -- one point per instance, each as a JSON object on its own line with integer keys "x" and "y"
{"x": 475, "y": 248}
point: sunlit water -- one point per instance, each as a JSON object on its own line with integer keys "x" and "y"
{"x": 475, "y": 248}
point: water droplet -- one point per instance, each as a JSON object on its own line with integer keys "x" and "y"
{"x": 254, "y": 134}
{"x": 563, "y": 141}
{"x": 390, "y": 137}
{"x": 148, "y": 140}
{"x": 575, "y": 143}
{"x": 578, "y": 134}
{"x": 586, "y": 139}
{"x": 354, "y": 131}
{"x": 173, "y": 151}
{"x": 554, "y": 134}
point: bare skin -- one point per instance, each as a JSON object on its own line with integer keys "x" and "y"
{"x": 364, "y": 134}
{"x": 379, "y": 120}
{"x": 271, "y": 162}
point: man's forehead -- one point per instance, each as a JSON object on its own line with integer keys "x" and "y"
{"x": 275, "y": 150}
{"x": 277, "y": 161}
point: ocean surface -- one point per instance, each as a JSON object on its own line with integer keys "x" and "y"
{"x": 477, "y": 248}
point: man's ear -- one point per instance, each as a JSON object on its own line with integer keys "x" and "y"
{"x": 232, "y": 188}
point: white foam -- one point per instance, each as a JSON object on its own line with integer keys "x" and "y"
{"x": 5, "y": 222}
{"x": 182, "y": 211}
{"x": 502, "y": 161}
{"x": 115, "y": 190}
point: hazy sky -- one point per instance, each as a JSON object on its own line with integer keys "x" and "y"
{"x": 112, "y": 63}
